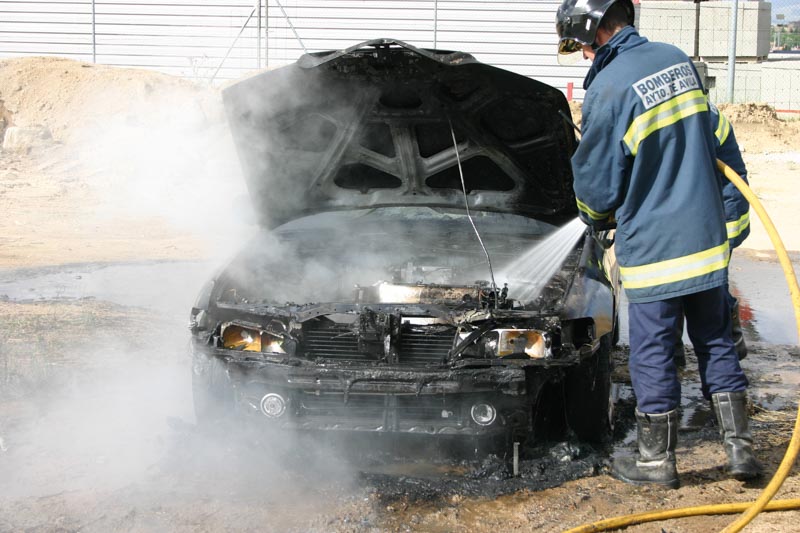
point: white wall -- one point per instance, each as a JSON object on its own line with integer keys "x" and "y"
{"x": 189, "y": 38}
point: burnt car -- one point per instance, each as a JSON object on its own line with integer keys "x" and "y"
{"x": 398, "y": 192}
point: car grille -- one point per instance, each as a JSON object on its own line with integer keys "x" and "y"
{"x": 417, "y": 347}
{"x": 365, "y": 407}
{"x": 386, "y": 410}
{"x": 425, "y": 348}
{"x": 332, "y": 342}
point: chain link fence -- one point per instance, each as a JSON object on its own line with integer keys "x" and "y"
{"x": 766, "y": 68}
{"x": 785, "y": 30}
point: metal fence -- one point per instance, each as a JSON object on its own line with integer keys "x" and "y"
{"x": 191, "y": 39}
{"x": 765, "y": 70}
{"x": 785, "y": 34}
{"x": 176, "y": 36}
{"x": 223, "y": 39}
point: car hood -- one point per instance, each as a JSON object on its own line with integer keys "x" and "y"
{"x": 374, "y": 126}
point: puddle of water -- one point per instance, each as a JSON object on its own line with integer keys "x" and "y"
{"x": 765, "y": 305}
{"x": 774, "y": 376}
{"x": 166, "y": 286}
{"x": 424, "y": 470}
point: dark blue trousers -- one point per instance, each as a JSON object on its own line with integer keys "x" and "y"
{"x": 655, "y": 330}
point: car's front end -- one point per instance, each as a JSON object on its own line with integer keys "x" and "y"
{"x": 372, "y": 301}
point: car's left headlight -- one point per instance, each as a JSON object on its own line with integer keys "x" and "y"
{"x": 236, "y": 337}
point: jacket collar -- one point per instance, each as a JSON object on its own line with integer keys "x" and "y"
{"x": 621, "y": 41}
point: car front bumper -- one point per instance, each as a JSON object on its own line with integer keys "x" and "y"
{"x": 432, "y": 401}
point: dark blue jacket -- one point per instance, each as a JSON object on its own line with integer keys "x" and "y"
{"x": 737, "y": 214}
{"x": 647, "y": 158}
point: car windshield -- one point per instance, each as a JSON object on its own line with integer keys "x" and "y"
{"x": 323, "y": 257}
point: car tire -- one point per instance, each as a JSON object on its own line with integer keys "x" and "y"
{"x": 588, "y": 401}
{"x": 211, "y": 390}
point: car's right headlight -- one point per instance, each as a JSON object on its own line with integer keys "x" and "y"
{"x": 517, "y": 342}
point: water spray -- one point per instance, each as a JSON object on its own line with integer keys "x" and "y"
{"x": 534, "y": 269}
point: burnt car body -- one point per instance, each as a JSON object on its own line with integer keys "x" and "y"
{"x": 367, "y": 303}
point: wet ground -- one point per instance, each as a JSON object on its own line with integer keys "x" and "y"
{"x": 765, "y": 306}
{"x": 84, "y": 446}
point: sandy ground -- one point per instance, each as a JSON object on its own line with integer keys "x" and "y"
{"x": 113, "y": 165}
{"x": 122, "y": 166}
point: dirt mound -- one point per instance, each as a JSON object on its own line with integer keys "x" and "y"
{"x": 752, "y": 113}
{"x": 68, "y": 97}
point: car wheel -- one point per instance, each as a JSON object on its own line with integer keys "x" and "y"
{"x": 587, "y": 396}
{"x": 211, "y": 391}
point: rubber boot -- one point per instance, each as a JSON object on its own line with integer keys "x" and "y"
{"x": 655, "y": 464}
{"x": 736, "y": 331}
{"x": 730, "y": 408}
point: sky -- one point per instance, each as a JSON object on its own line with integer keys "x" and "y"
{"x": 789, "y": 8}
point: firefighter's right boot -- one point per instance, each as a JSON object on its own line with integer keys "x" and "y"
{"x": 655, "y": 464}
{"x": 736, "y": 331}
{"x": 731, "y": 411}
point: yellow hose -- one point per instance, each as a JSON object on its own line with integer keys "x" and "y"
{"x": 751, "y": 509}
{"x": 653, "y": 516}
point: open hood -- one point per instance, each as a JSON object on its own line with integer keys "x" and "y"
{"x": 370, "y": 126}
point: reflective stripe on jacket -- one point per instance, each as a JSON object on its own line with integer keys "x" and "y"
{"x": 737, "y": 215}
{"x": 647, "y": 159}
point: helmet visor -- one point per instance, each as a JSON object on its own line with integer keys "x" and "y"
{"x": 569, "y": 46}
{"x": 570, "y": 52}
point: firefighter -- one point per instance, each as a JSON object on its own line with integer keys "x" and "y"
{"x": 646, "y": 163}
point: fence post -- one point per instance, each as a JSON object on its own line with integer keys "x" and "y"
{"x": 94, "y": 36}
{"x": 696, "y": 30}
{"x": 732, "y": 49}
{"x": 266, "y": 33}
{"x": 258, "y": 37}
{"x": 435, "y": 23}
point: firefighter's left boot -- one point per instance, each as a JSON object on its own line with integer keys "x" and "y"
{"x": 731, "y": 411}
{"x": 655, "y": 463}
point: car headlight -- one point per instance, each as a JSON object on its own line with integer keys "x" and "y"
{"x": 250, "y": 340}
{"x": 518, "y": 342}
